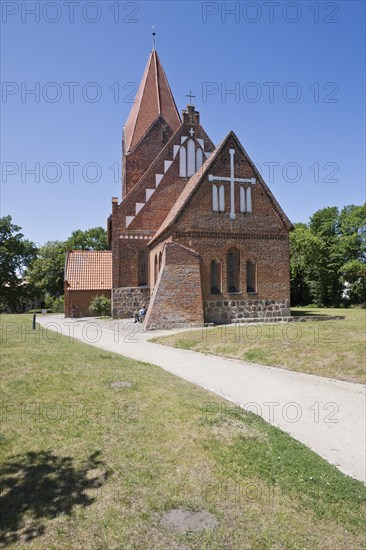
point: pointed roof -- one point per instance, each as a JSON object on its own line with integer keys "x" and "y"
{"x": 194, "y": 182}
{"x": 154, "y": 98}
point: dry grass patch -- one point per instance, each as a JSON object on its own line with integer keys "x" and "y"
{"x": 334, "y": 349}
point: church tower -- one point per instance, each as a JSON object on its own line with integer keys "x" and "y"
{"x": 152, "y": 121}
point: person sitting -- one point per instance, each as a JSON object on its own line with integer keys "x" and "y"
{"x": 140, "y": 315}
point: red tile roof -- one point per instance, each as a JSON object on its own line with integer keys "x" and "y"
{"x": 154, "y": 98}
{"x": 89, "y": 269}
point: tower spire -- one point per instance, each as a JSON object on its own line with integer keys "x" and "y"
{"x": 154, "y": 98}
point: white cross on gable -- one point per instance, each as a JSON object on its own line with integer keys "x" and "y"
{"x": 191, "y": 132}
{"x": 232, "y": 179}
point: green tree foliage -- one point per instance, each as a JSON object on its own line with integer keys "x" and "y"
{"x": 16, "y": 253}
{"x": 328, "y": 257}
{"x": 56, "y": 305}
{"x": 91, "y": 239}
{"x": 46, "y": 272}
{"x": 100, "y": 305}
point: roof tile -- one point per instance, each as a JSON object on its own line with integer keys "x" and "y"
{"x": 89, "y": 270}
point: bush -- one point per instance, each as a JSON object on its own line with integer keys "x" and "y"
{"x": 57, "y": 305}
{"x": 100, "y": 306}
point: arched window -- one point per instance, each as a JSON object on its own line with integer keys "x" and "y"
{"x": 233, "y": 270}
{"x": 242, "y": 199}
{"x": 251, "y": 276}
{"x": 142, "y": 268}
{"x": 191, "y": 158}
{"x": 215, "y": 277}
{"x": 199, "y": 158}
{"x": 183, "y": 162}
{"x": 156, "y": 271}
{"x": 249, "y": 199}
{"x": 215, "y": 198}
{"x": 160, "y": 259}
{"x": 222, "y": 198}
{"x": 218, "y": 198}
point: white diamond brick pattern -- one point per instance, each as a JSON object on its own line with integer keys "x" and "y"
{"x": 167, "y": 165}
{"x": 158, "y": 177}
{"x": 149, "y": 193}
{"x": 138, "y": 206}
{"x": 129, "y": 219}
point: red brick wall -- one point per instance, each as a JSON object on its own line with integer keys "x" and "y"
{"x": 261, "y": 235}
{"x": 177, "y": 297}
{"x": 135, "y": 164}
{"x": 125, "y": 251}
{"x": 271, "y": 256}
{"x": 81, "y": 300}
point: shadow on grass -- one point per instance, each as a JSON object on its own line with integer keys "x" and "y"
{"x": 41, "y": 485}
{"x": 306, "y": 312}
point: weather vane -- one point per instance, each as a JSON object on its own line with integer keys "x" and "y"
{"x": 153, "y": 35}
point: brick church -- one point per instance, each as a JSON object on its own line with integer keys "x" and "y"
{"x": 198, "y": 236}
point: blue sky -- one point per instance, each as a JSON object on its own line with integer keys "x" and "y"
{"x": 295, "y": 69}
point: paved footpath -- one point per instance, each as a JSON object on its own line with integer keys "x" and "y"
{"x": 327, "y": 415}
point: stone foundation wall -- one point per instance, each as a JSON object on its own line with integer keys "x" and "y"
{"x": 127, "y": 300}
{"x": 229, "y": 311}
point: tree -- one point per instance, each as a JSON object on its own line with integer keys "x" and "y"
{"x": 328, "y": 256}
{"x": 47, "y": 271}
{"x": 304, "y": 250}
{"x": 16, "y": 253}
{"x": 91, "y": 239}
{"x": 354, "y": 278}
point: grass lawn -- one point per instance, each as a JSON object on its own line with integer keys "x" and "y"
{"x": 334, "y": 349}
{"x": 88, "y": 466}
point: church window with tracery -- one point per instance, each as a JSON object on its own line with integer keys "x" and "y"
{"x": 251, "y": 276}
{"x": 233, "y": 270}
{"x": 245, "y": 199}
{"x": 215, "y": 276}
{"x": 142, "y": 266}
{"x": 190, "y": 159}
{"x": 218, "y": 198}
{"x": 156, "y": 271}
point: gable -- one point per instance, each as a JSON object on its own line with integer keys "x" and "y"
{"x": 195, "y": 208}
{"x": 151, "y": 199}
